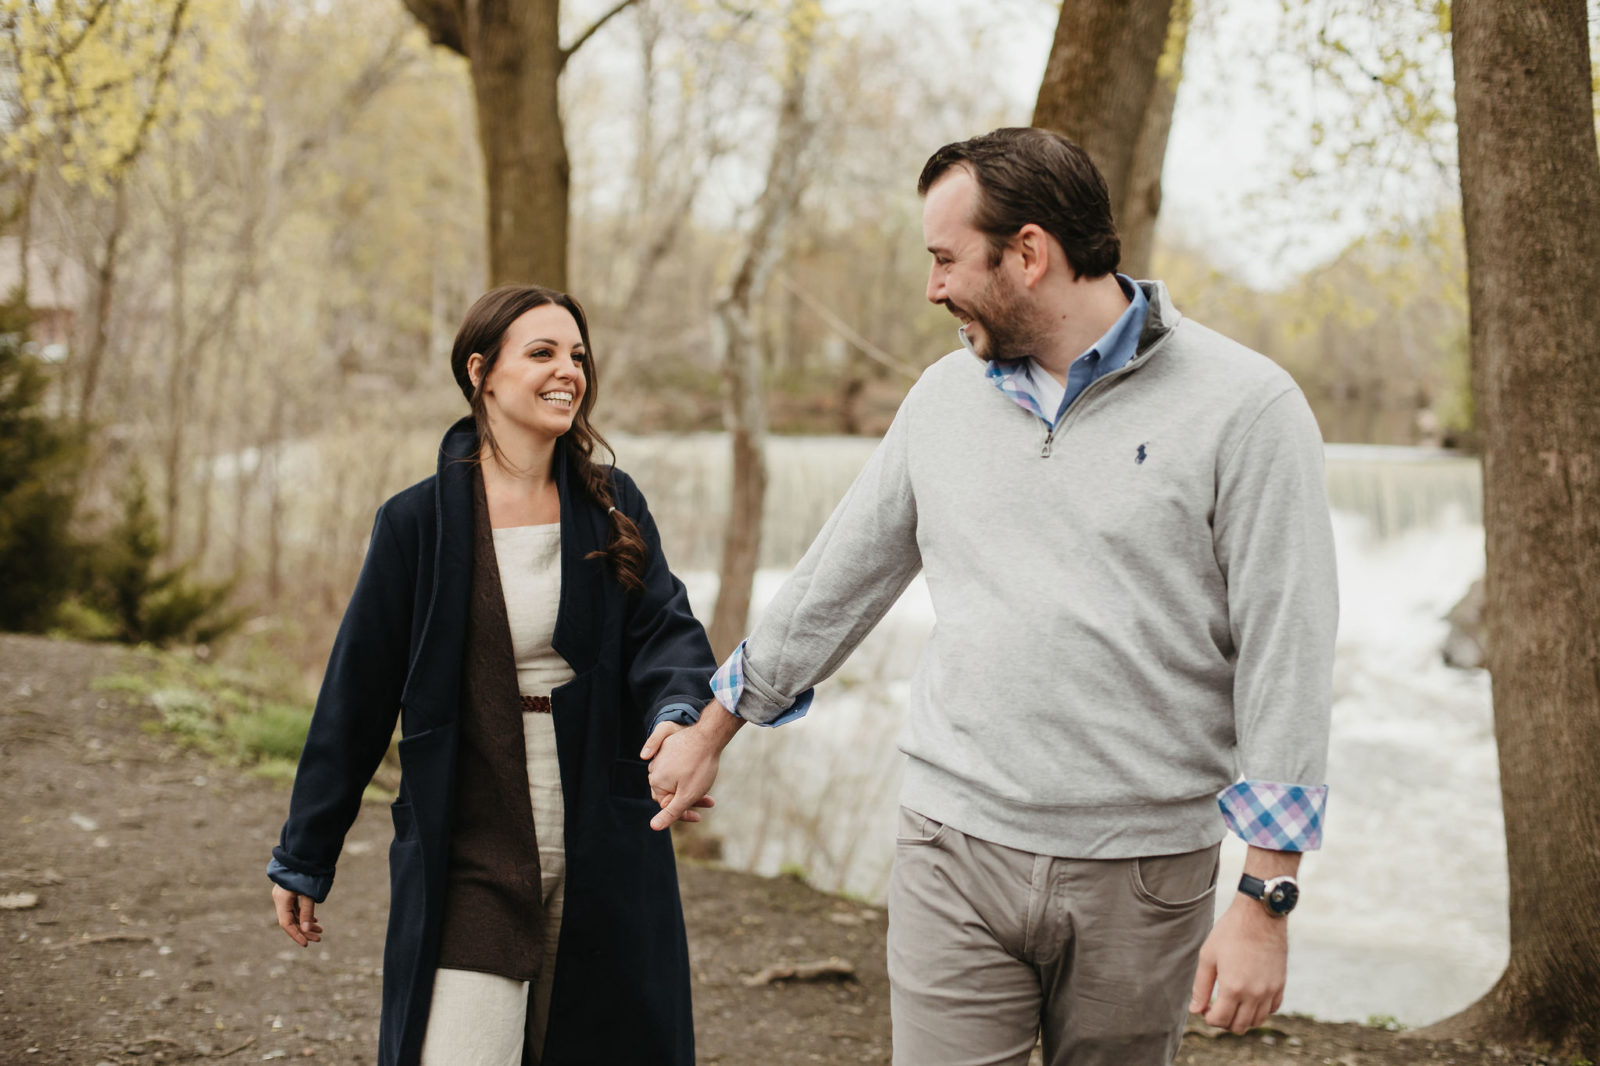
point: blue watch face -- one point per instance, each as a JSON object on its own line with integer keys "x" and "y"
{"x": 1283, "y": 897}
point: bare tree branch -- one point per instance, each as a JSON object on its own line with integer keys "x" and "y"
{"x": 163, "y": 73}
{"x": 89, "y": 22}
{"x": 379, "y": 73}
{"x": 843, "y": 329}
{"x": 443, "y": 19}
{"x": 617, "y": 9}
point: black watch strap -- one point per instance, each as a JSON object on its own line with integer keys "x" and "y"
{"x": 1278, "y": 896}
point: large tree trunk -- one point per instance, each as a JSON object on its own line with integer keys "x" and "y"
{"x": 1136, "y": 221}
{"x": 1098, "y": 84}
{"x": 516, "y": 59}
{"x": 513, "y": 48}
{"x": 733, "y": 327}
{"x": 1530, "y": 190}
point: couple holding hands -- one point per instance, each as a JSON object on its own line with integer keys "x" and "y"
{"x": 1122, "y": 522}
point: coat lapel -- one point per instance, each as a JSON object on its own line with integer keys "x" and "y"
{"x": 582, "y": 609}
{"x": 434, "y": 680}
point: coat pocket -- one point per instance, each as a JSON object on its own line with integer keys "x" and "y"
{"x": 630, "y": 780}
{"x": 405, "y": 822}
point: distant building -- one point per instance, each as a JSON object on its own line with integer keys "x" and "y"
{"x": 57, "y": 287}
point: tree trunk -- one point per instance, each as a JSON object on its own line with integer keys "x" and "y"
{"x": 513, "y": 49}
{"x": 105, "y": 288}
{"x": 271, "y": 457}
{"x": 1099, "y": 81}
{"x": 180, "y": 372}
{"x": 747, "y": 431}
{"x": 516, "y": 58}
{"x": 1530, "y": 191}
{"x": 734, "y": 333}
{"x": 1136, "y": 222}
{"x": 30, "y": 181}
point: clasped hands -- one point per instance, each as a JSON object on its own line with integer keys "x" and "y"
{"x": 683, "y": 765}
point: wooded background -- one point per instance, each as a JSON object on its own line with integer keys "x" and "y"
{"x": 238, "y": 237}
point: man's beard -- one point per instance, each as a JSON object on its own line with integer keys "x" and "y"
{"x": 1002, "y": 314}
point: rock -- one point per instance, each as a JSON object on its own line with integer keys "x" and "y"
{"x": 1466, "y": 648}
{"x": 19, "y": 901}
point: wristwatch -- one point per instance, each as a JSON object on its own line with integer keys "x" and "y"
{"x": 1278, "y": 895}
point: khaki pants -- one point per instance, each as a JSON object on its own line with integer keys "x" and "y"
{"x": 989, "y": 946}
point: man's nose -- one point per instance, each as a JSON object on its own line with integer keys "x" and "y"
{"x": 935, "y": 291}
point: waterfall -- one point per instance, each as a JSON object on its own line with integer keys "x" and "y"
{"x": 685, "y": 478}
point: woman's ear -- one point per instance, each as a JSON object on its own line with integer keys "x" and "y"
{"x": 475, "y": 369}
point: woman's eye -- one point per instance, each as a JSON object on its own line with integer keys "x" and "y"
{"x": 541, "y": 353}
{"x": 580, "y": 357}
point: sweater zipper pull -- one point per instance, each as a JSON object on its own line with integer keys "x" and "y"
{"x": 1048, "y": 439}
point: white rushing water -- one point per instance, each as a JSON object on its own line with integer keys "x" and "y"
{"x": 1404, "y": 909}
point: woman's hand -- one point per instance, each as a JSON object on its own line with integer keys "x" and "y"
{"x": 297, "y": 915}
{"x": 683, "y": 765}
{"x": 651, "y": 748}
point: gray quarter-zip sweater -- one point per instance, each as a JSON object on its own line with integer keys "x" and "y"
{"x": 1128, "y": 617}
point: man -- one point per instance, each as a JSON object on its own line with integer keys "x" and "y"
{"x": 1122, "y": 520}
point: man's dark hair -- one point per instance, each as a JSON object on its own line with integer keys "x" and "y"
{"x": 1032, "y": 175}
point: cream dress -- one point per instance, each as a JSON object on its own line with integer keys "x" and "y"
{"x": 476, "y": 1017}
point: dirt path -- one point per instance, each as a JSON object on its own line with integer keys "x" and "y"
{"x": 152, "y": 938}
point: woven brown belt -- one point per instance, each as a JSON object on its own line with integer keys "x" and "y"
{"x": 536, "y": 704}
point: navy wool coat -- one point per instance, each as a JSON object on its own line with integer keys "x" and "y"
{"x": 622, "y": 967}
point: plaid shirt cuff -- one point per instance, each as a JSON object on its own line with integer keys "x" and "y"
{"x": 727, "y": 685}
{"x": 1277, "y": 817}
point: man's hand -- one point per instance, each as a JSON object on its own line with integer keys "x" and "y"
{"x": 1246, "y": 957}
{"x": 651, "y": 746}
{"x": 297, "y": 915}
{"x": 683, "y": 763}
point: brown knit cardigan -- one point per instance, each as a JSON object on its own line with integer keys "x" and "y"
{"x": 493, "y": 907}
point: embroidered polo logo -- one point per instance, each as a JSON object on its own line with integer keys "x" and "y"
{"x": 1141, "y": 457}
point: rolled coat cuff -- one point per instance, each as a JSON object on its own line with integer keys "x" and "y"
{"x": 680, "y": 711}
{"x": 313, "y": 885}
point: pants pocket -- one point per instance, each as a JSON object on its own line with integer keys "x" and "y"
{"x": 1176, "y": 882}
{"x": 918, "y": 830}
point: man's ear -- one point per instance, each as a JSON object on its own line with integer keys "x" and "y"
{"x": 1033, "y": 244}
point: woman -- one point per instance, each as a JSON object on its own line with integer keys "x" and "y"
{"x": 517, "y": 614}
